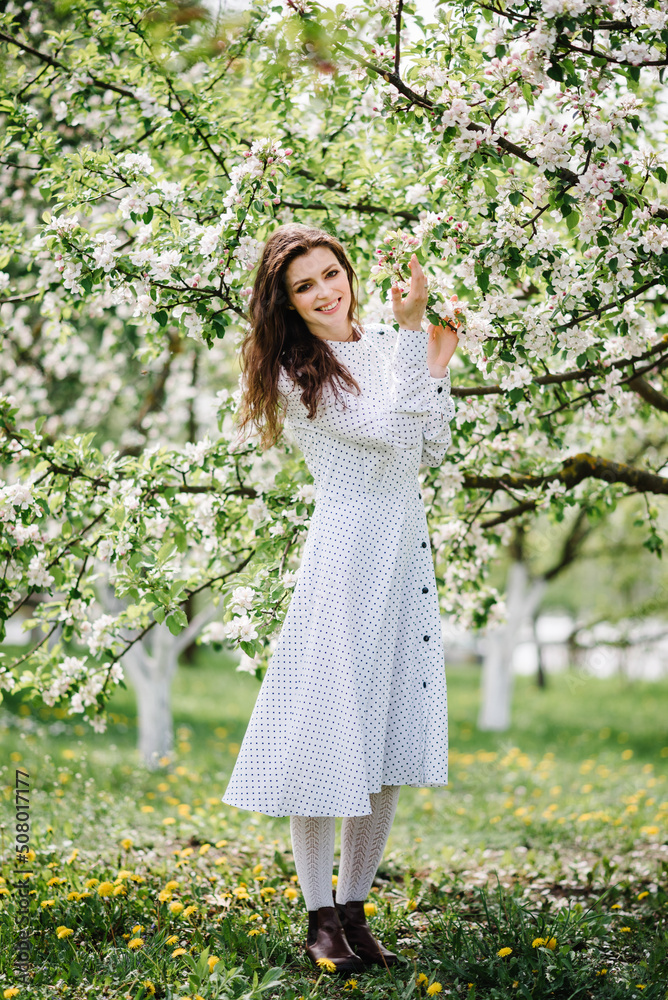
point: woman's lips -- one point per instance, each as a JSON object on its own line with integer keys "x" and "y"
{"x": 328, "y": 311}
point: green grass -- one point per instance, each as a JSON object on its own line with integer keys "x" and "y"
{"x": 555, "y": 830}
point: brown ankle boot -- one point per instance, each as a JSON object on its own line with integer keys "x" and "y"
{"x": 326, "y": 940}
{"x": 359, "y": 936}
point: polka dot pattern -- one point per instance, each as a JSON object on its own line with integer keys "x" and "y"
{"x": 355, "y": 693}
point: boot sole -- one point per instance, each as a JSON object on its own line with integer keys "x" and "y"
{"x": 342, "y": 968}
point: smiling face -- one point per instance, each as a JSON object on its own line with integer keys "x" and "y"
{"x": 319, "y": 290}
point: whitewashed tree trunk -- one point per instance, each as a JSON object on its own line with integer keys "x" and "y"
{"x": 522, "y": 597}
{"x": 150, "y": 666}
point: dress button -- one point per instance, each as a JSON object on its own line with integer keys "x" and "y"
{"x": 420, "y": 495}
{"x": 424, "y": 545}
{"x": 424, "y": 684}
{"x": 425, "y": 637}
{"x": 425, "y": 590}
{"x": 440, "y": 389}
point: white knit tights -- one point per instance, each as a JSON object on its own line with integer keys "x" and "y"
{"x": 363, "y": 840}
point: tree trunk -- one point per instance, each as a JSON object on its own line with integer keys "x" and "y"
{"x": 151, "y": 675}
{"x": 522, "y": 598}
{"x": 541, "y": 676}
{"x": 150, "y": 666}
{"x": 156, "y": 729}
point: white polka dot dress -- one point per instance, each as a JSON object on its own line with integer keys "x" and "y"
{"x": 355, "y": 694}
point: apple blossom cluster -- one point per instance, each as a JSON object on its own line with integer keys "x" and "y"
{"x": 176, "y": 253}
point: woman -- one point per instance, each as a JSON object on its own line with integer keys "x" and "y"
{"x": 353, "y": 704}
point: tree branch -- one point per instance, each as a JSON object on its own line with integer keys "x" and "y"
{"x": 649, "y": 393}
{"x": 573, "y": 471}
{"x": 397, "y": 37}
{"x": 95, "y": 81}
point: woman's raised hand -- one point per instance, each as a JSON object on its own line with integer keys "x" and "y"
{"x": 441, "y": 345}
{"x": 409, "y": 312}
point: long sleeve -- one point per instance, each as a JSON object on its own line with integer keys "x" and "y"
{"x": 436, "y": 430}
{"x": 395, "y": 419}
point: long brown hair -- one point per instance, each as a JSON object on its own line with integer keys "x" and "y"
{"x": 279, "y": 336}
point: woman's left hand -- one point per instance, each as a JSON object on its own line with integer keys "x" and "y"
{"x": 441, "y": 346}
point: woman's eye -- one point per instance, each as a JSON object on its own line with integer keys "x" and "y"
{"x": 334, "y": 271}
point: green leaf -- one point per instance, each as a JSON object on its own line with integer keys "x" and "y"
{"x": 176, "y": 621}
{"x": 483, "y": 281}
{"x": 572, "y": 219}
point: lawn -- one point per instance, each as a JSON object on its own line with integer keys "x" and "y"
{"x": 540, "y": 871}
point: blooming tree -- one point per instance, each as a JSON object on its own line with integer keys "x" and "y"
{"x": 147, "y": 151}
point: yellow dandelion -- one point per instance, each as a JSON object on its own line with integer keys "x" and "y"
{"x": 164, "y": 895}
{"x": 502, "y": 952}
{"x": 602, "y": 972}
{"x": 639, "y": 986}
{"x": 434, "y": 989}
{"x": 290, "y": 893}
{"x": 212, "y": 960}
{"x": 126, "y": 843}
{"x": 370, "y": 909}
{"x": 137, "y": 929}
{"x": 551, "y": 943}
{"x": 616, "y": 906}
{"x": 120, "y": 890}
{"x": 643, "y": 894}
{"x": 204, "y": 848}
{"x": 172, "y": 939}
{"x": 258, "y": 869}
{"x": 175, "y": 907}
{"x": 626, "y": 930}
{"x": 63, "y": 932}
{"x": 350, "y": 984}
{"x": 421, "y": 979}
{"x": 11, "y": 991}
{"x": 136, "y": 943}
{"x": 178, "y": 951}
{"x": 411, "y": 905}
{"x": 335, "y": 880}
{"x": 515, "y": 984}
{"x": 325, "y": 964}
{"x": 172, "y": 884}
{"x": 73, "y": 896}
{"x": 72, "y": 857}
{"x": 106, "y": 889}
{"x": 149, "y": 986}
{"x": 254, "y": 932}
{"x": 189, "y": 910}
{"x": 538, "y": 942}
{"x": 47, "y": 902}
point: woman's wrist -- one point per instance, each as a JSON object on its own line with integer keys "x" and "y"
{"x": 438, "y": 372}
